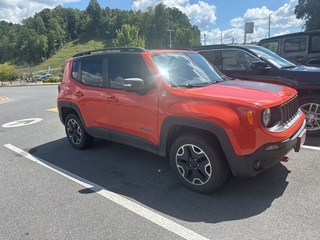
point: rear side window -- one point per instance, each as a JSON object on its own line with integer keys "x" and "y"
{"x": 315, "y": 44}
{"x": 271, "y": 45}
{"x": 75, "y": 70}
{"x": 213, "y": 57}
{"x": 295, "y": 44}
{"x": 91, "y": 72}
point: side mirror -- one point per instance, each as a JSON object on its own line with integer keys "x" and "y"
{"x": 259, "y": 66}
{"x": 133, "y": 84}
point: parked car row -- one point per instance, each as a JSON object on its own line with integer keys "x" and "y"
{"x": 255, "y": 63}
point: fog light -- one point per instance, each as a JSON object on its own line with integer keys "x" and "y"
{"x": 272, "y": 147}
{"x": 256, "y": 164}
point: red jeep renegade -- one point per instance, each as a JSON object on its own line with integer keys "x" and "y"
{"x": 175, "y": 104}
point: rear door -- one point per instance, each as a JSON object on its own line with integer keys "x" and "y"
{"x": 88, "y": 94}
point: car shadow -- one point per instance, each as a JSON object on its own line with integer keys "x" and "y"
{"x": 312, "y": 141}
{"x": 148, "y": 179}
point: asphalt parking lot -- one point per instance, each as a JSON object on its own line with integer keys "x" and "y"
{"x": 49, "y": 190}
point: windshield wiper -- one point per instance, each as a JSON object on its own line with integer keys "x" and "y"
{"x": 189, "y": 85}
{"x": 286, "y": 67}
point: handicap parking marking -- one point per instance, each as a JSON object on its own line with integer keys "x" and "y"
{"x": 140, "y": 210}
{"x": 52, "y": 109}
{"x": 21, "y": 122}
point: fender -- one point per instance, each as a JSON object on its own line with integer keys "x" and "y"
{"x": 213, "y": 128}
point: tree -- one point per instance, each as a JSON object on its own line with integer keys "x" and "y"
{"x": 309, "y": 10}
{"x": 95, "y": 13}
{"x": 128, "y": 36}
{"x": 6, "y": 72}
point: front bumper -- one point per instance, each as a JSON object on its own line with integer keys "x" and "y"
{"x": 267, "y": 155}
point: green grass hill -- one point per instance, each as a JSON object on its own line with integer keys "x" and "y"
{"x": 57, "y": 61}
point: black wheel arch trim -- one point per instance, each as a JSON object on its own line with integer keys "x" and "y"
{"x": 213, "y": 128}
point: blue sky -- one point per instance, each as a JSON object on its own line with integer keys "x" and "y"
{"x": 220, "y": 20}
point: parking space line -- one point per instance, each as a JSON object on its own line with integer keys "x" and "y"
{"x": 52, "y": 109}
{"x": 311, "y": 147}
{"x": 118, "y": 199}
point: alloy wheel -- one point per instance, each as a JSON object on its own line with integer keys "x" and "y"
{"x": 193, "y": 164}
{"x": 312, "y": 111}
{"x": 74, "y": 131}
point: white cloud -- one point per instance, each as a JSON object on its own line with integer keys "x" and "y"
{"x": 201, "y": 14}
{"x": 16, "y": 10}
{"x": 281, "y": 20}
{"x": 283, "y": 17}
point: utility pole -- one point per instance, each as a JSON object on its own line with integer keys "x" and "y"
{"x": 269, "y": 24}
{"x": 170, "y": 30}
{"x": 204, "y": 36}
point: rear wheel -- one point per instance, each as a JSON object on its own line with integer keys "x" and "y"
{"x": 76, "y": 133}
{"x": 198, "y": 162}
{"x": 310, "y": 105}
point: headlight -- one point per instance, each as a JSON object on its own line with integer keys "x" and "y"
{"x": 266, "y": 117}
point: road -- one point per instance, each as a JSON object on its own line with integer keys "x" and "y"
{"x": 49, "y": 190}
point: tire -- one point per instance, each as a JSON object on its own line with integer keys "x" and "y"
{"x": 310, "y": 105}
{"x": 76, "y": 133}
{"x": 198, "y": 162}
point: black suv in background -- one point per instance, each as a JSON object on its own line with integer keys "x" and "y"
{"x": 255, "y": 63}
{"x": 300, "y": 48}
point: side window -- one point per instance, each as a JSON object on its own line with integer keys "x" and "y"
{"x": 91, "y": 72}
{"x": 315, "y": 44}
{"x": 120, "y": 68}
{"x": 236, "y": 60}
{"x": 213, "y": 57}
{"x": 297, "y": 44}
{"x": 75, "y": 70}
{"x": 271, "y": 45}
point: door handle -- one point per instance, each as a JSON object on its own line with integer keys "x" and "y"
{"x": 112, "y": 99}
{"x": 78, "y": 94}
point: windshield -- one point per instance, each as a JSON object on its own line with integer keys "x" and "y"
{"x": 271, "y": 57}
{"x": 186, "y": 69}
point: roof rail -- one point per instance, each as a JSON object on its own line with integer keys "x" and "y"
{"x": 112, "y": 49}
{"x": 208, "y": 46}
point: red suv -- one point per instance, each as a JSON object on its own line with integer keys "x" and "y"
{"x": 175, "y": 104}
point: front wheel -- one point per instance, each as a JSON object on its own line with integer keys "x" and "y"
{"x": 76, "y": 133}
{"x": 199, "y": 162}
{"x": 310, "y": 105}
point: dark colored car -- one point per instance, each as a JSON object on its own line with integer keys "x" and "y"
{"x": 255, "y": 63}
{"x": 300, "y": 48}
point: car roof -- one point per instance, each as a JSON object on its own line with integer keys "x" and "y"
{"x": 315, "y": 32}
{"x": 220, "y": 46}
{"x": 120, "y": 50}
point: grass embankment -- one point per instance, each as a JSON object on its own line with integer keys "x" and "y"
{"x": 57, "y": 61}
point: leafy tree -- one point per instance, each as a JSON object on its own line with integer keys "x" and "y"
{"x": 36, "y": 23}
{"x": 128, "y": 36}
{"x": 6, "y": 72}
{"x": 309, "y": 10}
{"x": 95, "y": 13}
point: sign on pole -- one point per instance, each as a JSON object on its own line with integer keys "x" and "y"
{"x": 248, "y": 28}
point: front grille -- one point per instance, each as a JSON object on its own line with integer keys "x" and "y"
{"x": 289, "y": 110}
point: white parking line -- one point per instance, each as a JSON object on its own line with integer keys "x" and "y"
{"x": 132, "y": 206}
{"x": 311, "y": 147}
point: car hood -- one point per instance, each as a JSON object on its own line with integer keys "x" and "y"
{"x": 303, "y": 68}
{"x": 247, "y": 92}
